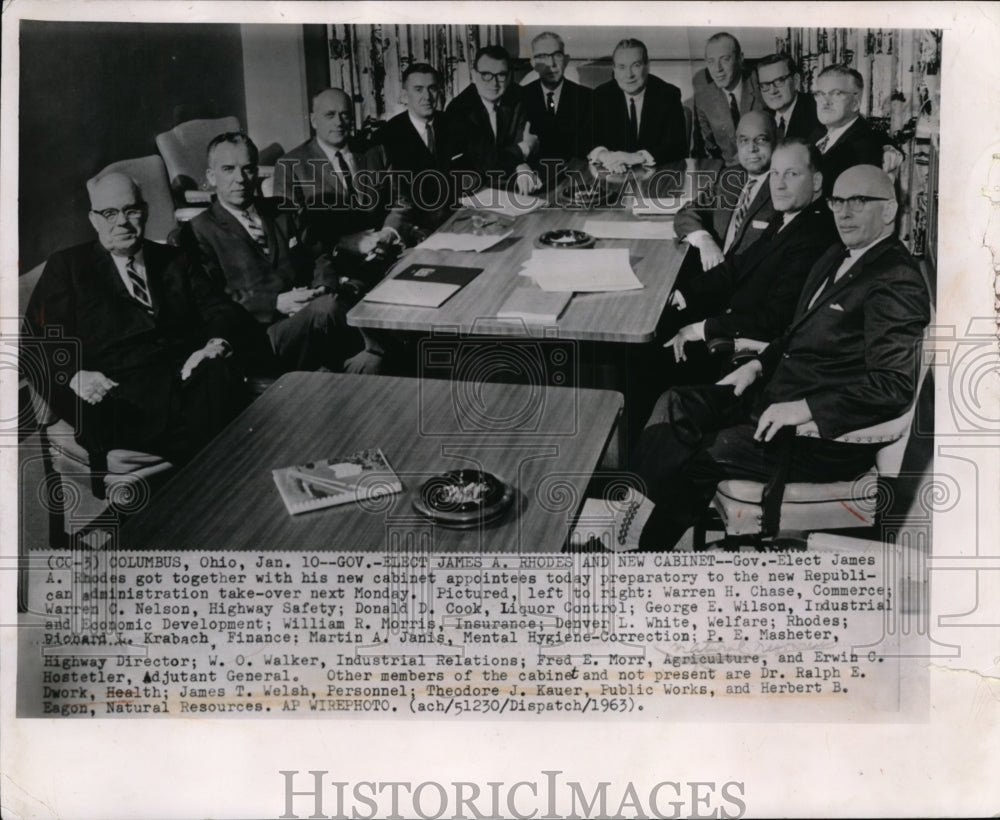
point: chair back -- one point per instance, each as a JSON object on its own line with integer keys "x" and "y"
{"x": 183, "y": 150}
{"x": 151, "y": 176}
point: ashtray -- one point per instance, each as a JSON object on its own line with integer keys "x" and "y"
{"x": 463, "y": 498}
{"x": 566, "y": 238}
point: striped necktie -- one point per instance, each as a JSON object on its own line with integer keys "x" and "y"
{"x": 823, "y": 143}
{"x": 739, "y": 215}
{"x": 345, "y": 171}
{"x": 138, "y": 284}
{"x": 255, "y": 229}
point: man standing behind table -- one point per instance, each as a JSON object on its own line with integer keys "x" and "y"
{"x": 561, "y": 112}
{"x": 845, "y": 138}
{"x": 343, "y": 189}
{"x": 849, "y": 360}
{"x": 719, "y": 105}
{"x": 489, "y": 138}
{"x": 154, "y": 370}
{"x": 638, "y": 118}
{"x": 414, "y": 142}
{"x": 741, "y": 207}
{"x": 794, "y": 112}
{"x": 269, "y": 266}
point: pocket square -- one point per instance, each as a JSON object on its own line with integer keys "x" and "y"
{"x": 836, "y": 306}
{"x": 292, "y": 242}
{"x": 759, "y": 225}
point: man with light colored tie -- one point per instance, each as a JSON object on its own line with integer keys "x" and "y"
{"x": 271, "y": 266}
{"x": 849, "y": 360}
{"x": 148, "y": 364}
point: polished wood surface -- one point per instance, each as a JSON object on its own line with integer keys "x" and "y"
{"x": 630, "y": 316}
{"x": 546, "y": 441}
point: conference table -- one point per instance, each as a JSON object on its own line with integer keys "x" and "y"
{"x": 544, "y": 441}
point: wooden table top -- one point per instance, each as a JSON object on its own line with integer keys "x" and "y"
{"x": 630, "y": 316}
{"x": 546, "y": 441}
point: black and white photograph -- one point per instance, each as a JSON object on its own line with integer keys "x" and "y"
{"x": 500, "y": 410}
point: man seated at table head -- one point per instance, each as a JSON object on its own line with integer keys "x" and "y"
{"x": 342, "y": 187}
{"x": 848, "y": 360}
{"x": 268, "y": 264}
{"x": 844, "y": 137}
{"x": 719, "y": 104}
{"x": 794, "y": 112}
{"x": 561, "y": 112}
{"x": 740, "y": 206}
{"x": 638, "y": 118}
{"x": 414, "y": 142}
{"x": 751, "y": 298}
{"x": 154, "y": 370}
{"x": 489, "y": 138}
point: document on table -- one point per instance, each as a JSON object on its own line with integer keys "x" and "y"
{"x": 591, "y": 270}
{"x": 509, "y": 203}
{"x": 659, "y": 207}
{"x": 443, "y": 241}
{"x": 646, "y": 229}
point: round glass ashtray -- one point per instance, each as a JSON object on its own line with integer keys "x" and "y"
{"x": 463, "y": 498}
{"x": 566, "y": 238}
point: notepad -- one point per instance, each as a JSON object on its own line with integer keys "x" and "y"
{"x": 591, "y": 270}
{"x": 647, "y": 229}
{"x": 423, "y": 285}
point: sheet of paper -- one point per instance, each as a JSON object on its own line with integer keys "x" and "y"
{"x": 593, "y": 270}
{"x": 442, "y": 241}
{"x": 611, "y": 229}
{"x": 508, "y": 203}
{"x": 659, "y": 207}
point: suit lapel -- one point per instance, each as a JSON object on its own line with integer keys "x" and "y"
{"x": 330, "y": 178}
{"x": 234, "y": 227}
{"x": 155, "y": 263}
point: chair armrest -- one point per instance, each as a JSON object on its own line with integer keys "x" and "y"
{"x": 198, "y": 197}
{"x": 265, "y": 171}
{"x": 187, "y": 214}
{"x": 882, "y": 433}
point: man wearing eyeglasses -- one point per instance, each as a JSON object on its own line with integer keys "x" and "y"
{"x": 638, "y": 118}
{"x": 561, "y": 112}
{"x": 489, "y": 139}
{"x": 794, "y": 112}
{"x": 719, "y": 104}
{"x": 154, "y": 370}
{"x": 845, "y": 138}
{"x": 848, "y": 360}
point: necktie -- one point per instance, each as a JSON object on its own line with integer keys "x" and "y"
{"x": 835, "y": 265}
{"x": 742, "y": 206}
{"x": 821, "y": 144}
{"x": 255, "y": 229}
{"x": 550, "y": 99}
{"x": 431, "y": 144}
{"x": 346, "y": 173}
{"x": 137, "y": 280}
{"x": 633, "y": 126}
{"x": 734, "y": 109}
{"x": 496, "y": 121}
{"x": 781, "y": 127}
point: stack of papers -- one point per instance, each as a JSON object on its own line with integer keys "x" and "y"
{"x": 659, "y": 207}
{"x": 509, "y": 203}
{"x": 592, "y": 270}
{"x": 442, "y": 241}
{"x": 611, "y": 229}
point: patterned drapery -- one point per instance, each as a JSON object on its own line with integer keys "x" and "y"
{"x": 368, "y": 61}
{"x": 901, "y": 70}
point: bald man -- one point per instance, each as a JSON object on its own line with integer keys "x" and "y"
{"x": 848, "y": 360}
{"x": 153, "y": 370}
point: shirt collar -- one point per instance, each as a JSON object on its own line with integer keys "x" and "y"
{"x": 791, "y": 107}
{"x": 855, "y": 253}
{"x": 834, "y": 134}
{"x": 331, "y": 153}
{"x": 419, "y": 124}
{"x": 238, "y": 212}
{"x": 736, "y": 91}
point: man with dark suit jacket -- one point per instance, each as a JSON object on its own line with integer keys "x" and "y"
{"x": 561, "y": 112}
{"x": 848, "y": 360}
{"x": 738, "y": 211}
{"x": 415, "y": 144}
{"x": 719, "y": 104}
{"x": 342, "y": 187}
{"x": 269, "y": 266}
{"x": 845, "y": 138}
{"x": 638, "y": 118}
{"x": 794, "y": 112}
{"x": 153, "y": 370}
{"x": 489, "y": 140}
{"x": 752, "y": 297}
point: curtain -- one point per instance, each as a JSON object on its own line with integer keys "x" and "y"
{"x": 368, "y": 61}
{"x": 901, "y": 70}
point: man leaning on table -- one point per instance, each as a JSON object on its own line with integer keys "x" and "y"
{"x": 638, "y": 118}
{"x": 488, "y": 137}
{"x": 849, "y": 360}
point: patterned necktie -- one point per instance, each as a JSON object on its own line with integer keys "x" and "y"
{"x": 139, "y": 287}
{"x": 431, "y": 144}
{"x": 255, "y": 229}
{"x": 742, "y": 206}
{"x": 781, "y": 127}
{"x": 550, "y": 99}
{"x": 633, "y": 126}
{"x": 345, "y": 172}
{"x": 734, "y": 109}
{"x": 823, "y": 143}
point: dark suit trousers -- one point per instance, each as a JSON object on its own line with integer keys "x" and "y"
{"x": 699, "y": 436}
{"x": 198, "y": 409}
{"x": 317, "y": 336}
